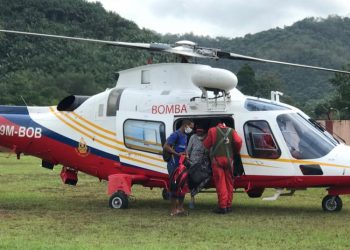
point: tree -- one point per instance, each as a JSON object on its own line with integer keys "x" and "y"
{"x": 340, "y": 101}
{"x": 246, "y": 80}
{"x": 260, "y": 86}
{"x": 266, "y": 83}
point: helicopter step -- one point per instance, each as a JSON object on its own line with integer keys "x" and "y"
{"x": 69, "y": 176}
{"x": 279, "y": 192}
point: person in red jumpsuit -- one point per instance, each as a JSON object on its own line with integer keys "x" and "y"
{"x": 223, "y": 142}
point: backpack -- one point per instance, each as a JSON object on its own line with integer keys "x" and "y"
{"x": 179, "y": 179}
{"x": 166, "y": 155}
{"x": 228, "y": 147}
{"x": 237, "y": 165}
{"x": 199, "y": 175}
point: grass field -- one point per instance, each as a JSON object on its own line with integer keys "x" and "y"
{"x": 38, "y": 212}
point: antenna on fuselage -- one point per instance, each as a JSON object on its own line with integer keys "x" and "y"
{"x": 24, "y": 101}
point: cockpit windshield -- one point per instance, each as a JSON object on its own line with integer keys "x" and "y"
{"x": 258, "y": 105}
{"x": 303, "y": 139}
{"x": 324, "y": 131}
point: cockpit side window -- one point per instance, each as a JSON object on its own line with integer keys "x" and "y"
{"x": 113, "y": 101}
{"x": 303, "y": 140}
{"x": 260, "y": 140}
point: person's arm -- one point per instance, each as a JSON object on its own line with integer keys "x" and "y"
{"x": 170, "y": 142}
{"x": 170, "y": 149}
{"x": 208, "y": 141}
{"x": 190, "y": 146}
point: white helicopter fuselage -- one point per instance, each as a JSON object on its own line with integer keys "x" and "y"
{"x": 122, "y": 130}
{"x": 165, "y": 95}
{"x": 118, "y": 135}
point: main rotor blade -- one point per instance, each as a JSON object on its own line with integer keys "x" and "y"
{"x": 234, "y": 56}
{"x": 182, "y": 50}
{"x": 147, "y": 46}
{"x": 186, "y": 50}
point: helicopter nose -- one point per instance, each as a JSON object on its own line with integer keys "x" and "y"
{"x": 2, "y": 134}
{"x": 340, "y": 158}
{"x": 7, "y": 131}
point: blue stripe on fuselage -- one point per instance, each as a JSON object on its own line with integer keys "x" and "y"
{"x": 26, "y": 121}
{"x": 14, "y": 110}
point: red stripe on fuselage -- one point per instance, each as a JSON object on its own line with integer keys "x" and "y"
{"x": 60, "y": 153}
{"x": 9, "y": 139}
{"x": 89, "y": 163}
{"x": 291, "y": 181}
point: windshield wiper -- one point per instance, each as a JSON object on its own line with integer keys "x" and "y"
{"x": 317, "y": 125}
{"x": 324, "y": 130}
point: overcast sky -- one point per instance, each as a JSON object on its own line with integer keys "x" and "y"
{"x": 230, "y": 18}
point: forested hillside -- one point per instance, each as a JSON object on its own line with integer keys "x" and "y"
{"x": 319, "y": 42}
{"x": 44, "y": 70}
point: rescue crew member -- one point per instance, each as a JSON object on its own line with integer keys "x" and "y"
{"x": 176, "y": 145}
{"x": 197, "y": 153}
{"x": 223, "y": 143}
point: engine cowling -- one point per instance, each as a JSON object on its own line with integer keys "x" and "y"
{"x": 214, "y": 78}
{"x": 70, "y": 103}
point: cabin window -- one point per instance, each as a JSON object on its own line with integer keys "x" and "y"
{"x": 260, "y": 141}
{"x": 143, "y": 135}
{"x": 114, "y": 101}
{"x": 145, "y": 77}
{"x": 302, "y": 138}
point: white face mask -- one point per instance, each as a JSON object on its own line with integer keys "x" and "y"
{"x": 200, "y": 137}
{"x": 188, "y": 130}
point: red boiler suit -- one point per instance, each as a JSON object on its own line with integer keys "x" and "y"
{"x": 222, "y": 172}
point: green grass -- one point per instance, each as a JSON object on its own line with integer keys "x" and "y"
{"x": 38, "y": 212}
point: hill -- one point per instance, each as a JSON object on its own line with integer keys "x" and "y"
{"x": 43, "y": 71}
{"x": 313, "y": 41}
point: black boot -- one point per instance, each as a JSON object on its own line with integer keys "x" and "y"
{"x": 219, "y": 210}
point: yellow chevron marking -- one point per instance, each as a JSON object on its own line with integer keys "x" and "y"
{"x": 58, "y": 115}
{"x": 298, "y": 161}
{"x": 260, "y": 165}
{"x": 91, "y": 130}
{"x": 94, "y": 125}
{"x": 147, "y": 163}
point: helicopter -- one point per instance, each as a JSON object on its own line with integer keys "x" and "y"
{"x": 118, "y": 135}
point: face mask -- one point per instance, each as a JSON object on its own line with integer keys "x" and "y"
{"x": 200, "y": 137}
{"x": 188, "y": 130}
